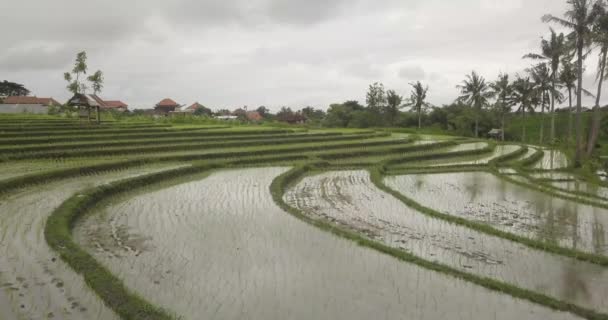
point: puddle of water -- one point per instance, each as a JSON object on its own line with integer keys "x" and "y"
{"x": 499, "y": 151}
{"x": 483, "y": 197}
{"x": 552, "y": 159}
{"x": 220, "y": 248}
{"x": 348, "y": 198}
{"x": 34, "y": 281}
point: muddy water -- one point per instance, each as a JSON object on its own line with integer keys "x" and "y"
{"x": 483, "y": 197}
{"x": 349, "y": 199}
{"x": 552, "y": 159}
{"x": 499, "y": 151}
{"x": 582, "y": 186}
{"x": 531, "y": 151}
{"x": 34, "y": 282}
{"x": 220, "y": 248}
{"x": 468, "y": 146}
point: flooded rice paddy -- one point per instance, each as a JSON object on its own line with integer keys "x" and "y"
{"x": 34, "y": 281}
{"x": 220, "y": 248}
{"x": 483, "y": 197}
{"x": 349, "y": 199}
{"x": 552, "y": 159}
{"x": 499, "y": 151}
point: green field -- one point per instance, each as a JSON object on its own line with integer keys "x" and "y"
{"x": 154, "y": 220}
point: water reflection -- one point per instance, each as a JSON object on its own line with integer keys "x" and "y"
{"x": 481, "y": 196}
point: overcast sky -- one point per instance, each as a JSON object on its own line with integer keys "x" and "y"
{"x": 231, "y": 53}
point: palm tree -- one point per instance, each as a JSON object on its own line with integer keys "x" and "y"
{"x": 579, "y": 17}
{"x": 524, "y": 94}
{"x": 552, "y": 52}
{"x": 417, "y": 100}
{"x": 475, "y": 92}
{"x": 568, "y": 79}
{"x": 541, "y": 76}
{"x": 502, "y": 90}
{"x": 599, "y": 38}
{"x": 393, "y": 103}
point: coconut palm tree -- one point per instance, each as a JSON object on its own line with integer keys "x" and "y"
{"x": 502, "y": 90}
{"x": 599, "y": 38}
{"x": 475, "y": 92}
{"x": 417, "y": 100}
{"x": 552, "y": 51}
{"x": 541, "y": 77}
{"x": 567, "y": 77}
{"x": 525, "y": 95}
{"x": 393, "y": 104}
{"x": 579, "y": 18}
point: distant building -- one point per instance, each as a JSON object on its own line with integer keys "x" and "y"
{"x": 254, "y": 116}
{"x": 226, "y": 117}
{"x": 21, "y": 104}
{"x": 165, "y": 106}
{"x": 116, "y": 105}
{"x": 109, "y": 105}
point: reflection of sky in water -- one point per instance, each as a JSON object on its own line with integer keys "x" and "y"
{"x": 483, "y": 197}
{"x": 349, "y": 199}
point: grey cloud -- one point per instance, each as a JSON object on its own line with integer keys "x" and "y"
{"x": 273, "y": 52}
{"x": 412, "y": 73}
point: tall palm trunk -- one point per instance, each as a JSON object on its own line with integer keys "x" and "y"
{"x": 597, "y": 114}
{"x": 523, "y": 128}
{"x": 579, "y": 102}
{"x": 570, "y": 115}
{"x": 553, "y": 80}
{"x": 419, "y": 117}
{"x": 502, "y": 120}
{"x": 542, "y": 117}
{"x": 477, "y": 121}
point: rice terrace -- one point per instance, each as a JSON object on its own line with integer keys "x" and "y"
{"x": 493, "y": 205}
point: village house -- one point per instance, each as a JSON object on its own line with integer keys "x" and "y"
{"x": 254, "y": 116}
{"x": 109, "y": 105}
{"x": 165, "y": 106}
{"x": 116, "y": 105}
{"x": 20, "y": 104}
{"x": 197, "y": 106}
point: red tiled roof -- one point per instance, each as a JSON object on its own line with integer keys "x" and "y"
{"x": 30, "y": 100}
{"x": 115, "y": 104}
{"x": 99, "y": 101}
{"x": 254, "y": 116}
{"x": 194, "y": 106}
{"x": 167, "y": 103}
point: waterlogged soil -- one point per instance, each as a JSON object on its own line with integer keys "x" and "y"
{"x": 34, "y": 281}
{"x": 485, "y": 198}
{"x": 469, "y": 146}
{"x": 220, "y": 248}
{"x": 499, "y": 151}
{"x": 531, "y": 151}
{"x": 349, "y": 199}
{"x": 582, "y": 186}
{"x": 552, "y": 159}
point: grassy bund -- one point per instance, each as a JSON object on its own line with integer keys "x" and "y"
{"x": 56, "y": 149}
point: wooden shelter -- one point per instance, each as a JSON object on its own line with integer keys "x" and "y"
{"x": 85, "y": 101}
